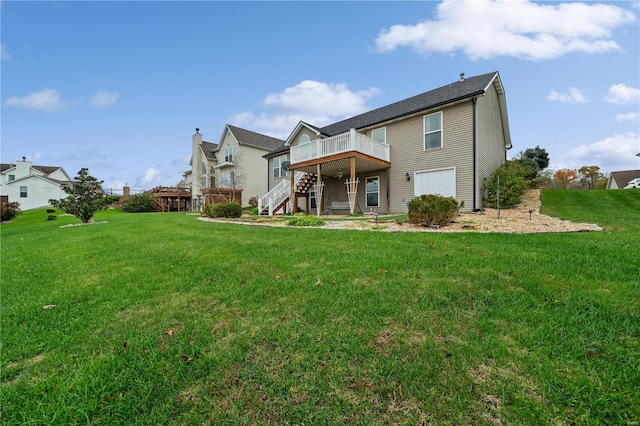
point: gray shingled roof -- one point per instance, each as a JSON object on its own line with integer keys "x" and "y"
{"x": 622, "y": 178}
{"x": 47, "y": 170}
{"x": 453, "y": 92}
{"x": 256, "y": 140}
{"x": 209, "y": 150}
{"x": 277, "y": 151}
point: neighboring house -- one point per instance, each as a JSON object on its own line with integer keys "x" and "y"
{"x": 32, "y": 186}
{"x": 445, "y": 141}
{"x": 234, "y": 164}
{"x": 618, "y": 180}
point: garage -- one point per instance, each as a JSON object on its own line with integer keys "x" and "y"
{"x": 439, "y": 181}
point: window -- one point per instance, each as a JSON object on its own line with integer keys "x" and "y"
{"x": 233, "y": 179}
{"x": 213, "y": 181}
{"x": 373, "y": 192}
{"x": 278, "y": 171}
{"x": 203, "y": 168}
{"x": 379, "y": 135}
{"x": 228, "y": 154}
{"x": 12, "y": 177}
{"x": 303, "y": 139}
{"x": 312, "y": 199}
{"x": 203, "y": 181}
{"x": 23, "y": 192}
{"x": 433, "y": 131}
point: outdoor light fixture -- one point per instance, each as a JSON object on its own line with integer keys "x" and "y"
{"x": 408, "y": 176}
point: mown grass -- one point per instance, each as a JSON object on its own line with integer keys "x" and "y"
{"x": 164, "y": 319}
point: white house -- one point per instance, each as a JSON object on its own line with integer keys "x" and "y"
{"x": 32, "y": 186}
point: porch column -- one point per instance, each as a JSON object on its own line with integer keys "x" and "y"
{"x": 352, "y": 182}
{"x": 318, "y": 194}
{"x": 292, "y": 197}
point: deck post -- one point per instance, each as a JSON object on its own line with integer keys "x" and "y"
{"x": 352, "y": 183}
{"x": 319, "y": 206}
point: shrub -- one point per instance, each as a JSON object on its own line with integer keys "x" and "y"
{"x": 52, "y": 217}
{"x": 513, "y": 185}
{"x": 433, "y": 210}
{"x": 253, "y": 201}
{"x": 301, "y": 219}
{"x": 139, "y": 203}
{"x": 230, "y": 210}
{"x": 9, "y": 211}
{"x": 51, "y": 210}
{"x": 112, "y": 199}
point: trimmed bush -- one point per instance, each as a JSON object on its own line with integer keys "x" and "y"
{"x": 139, "y": 203}
{"x": 52, "y": 217}
{"x": 513, "y": 185}
{"x": 229, "y": 210}
{"x": 9, "y": 211}
{"x": 253, "y": 201}
{"x": 301, "y": 219}
{"x": 433, "y": 210}
{"x": 51, "y": 211}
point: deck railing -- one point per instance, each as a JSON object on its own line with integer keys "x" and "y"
{"x": 351, "y": 141}
{"x": 278, "y": 194}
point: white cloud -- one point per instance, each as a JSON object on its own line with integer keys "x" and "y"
{"x": 151, "y": 178}
{"x": 4, "y": 55}
{"x": 485, "y": 29}
{"x": 314, "y": 102}
{"x": 630, "y": 116}
{"x": 102, "y": 99}
{"x": 575, "y": 96}
{"x": 43, "y": 100}
{"x": 617, "y": 152}
{"x": 622, "y": 94}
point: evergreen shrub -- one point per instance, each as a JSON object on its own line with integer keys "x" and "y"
{"x": 139, "y": 203}
{"x": 230, "y": 210}
{"x": 433, "y": 210}
{"x": 9, "y": 211}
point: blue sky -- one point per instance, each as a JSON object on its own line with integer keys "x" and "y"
{"x": 119, "y": 87}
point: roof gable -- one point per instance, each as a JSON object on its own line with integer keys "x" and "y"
{"x": 459, "y": 90}
{"x": 253, "y": 139}
{"x": 300, "y": 126}
{"x": 622, "y": 178}
{"x": 209, "y": 149}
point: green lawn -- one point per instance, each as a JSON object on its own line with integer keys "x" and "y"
{"x": 163, "y": 319}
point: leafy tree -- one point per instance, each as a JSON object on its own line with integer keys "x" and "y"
{"x": 591, "y": 175}
{"x": 538, "y": 155}
{"x": 513, "y": 185}
{"x": 84, "y": 196}
{"x": 565, "y": 177}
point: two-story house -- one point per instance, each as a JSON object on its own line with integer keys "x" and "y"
{"x": 444, "y": 141}
{"x": 32, "y": 186}
{"x": 234, "y": 167}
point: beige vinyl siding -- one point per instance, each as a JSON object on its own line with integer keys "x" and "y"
{"x": 304, "y": 131}
{"x": 489, "y": 139}
{"x": 406, "y": 141}
{"x": 275, "y": 181}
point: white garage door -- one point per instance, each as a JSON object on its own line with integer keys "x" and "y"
{"x": 441, "y": 182}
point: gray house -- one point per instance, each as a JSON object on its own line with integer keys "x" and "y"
{"x": 444, "y": 141}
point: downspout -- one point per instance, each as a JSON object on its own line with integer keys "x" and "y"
{"x": 475, "y": 166}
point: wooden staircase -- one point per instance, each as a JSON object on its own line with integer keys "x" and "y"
{"x": 277, "y": 199}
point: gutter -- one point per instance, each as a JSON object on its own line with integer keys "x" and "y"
{"x": 475, "y": 161}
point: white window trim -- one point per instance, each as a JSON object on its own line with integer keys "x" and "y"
{"x": 226, "y": 156}
{"x": 25, "y": 192}
{"x": 385, "y": 133}
{"x": 366, "y": 199}
{"x": 455, "y": 179}
{"x": 300, "y": 141}
{"x": 281, "y": 172}
{"x": 424, "y": 131}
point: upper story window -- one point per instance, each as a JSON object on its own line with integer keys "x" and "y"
{"x": 303, "y": 139}
{"x": 203, "y": 168}
{"x": 23, "y": 192}
{"x": 12, "y": 177}
{"x": 433, "y": 131}
{"x": 228, "y": 154}
{"x": 379, "y": 135}
{"x": 278, "y": 171}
